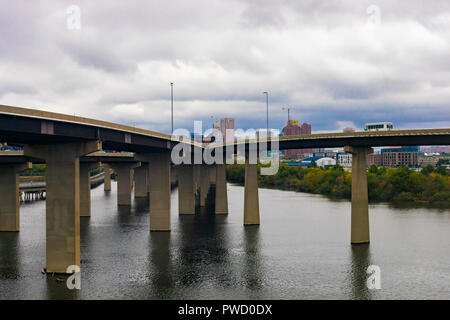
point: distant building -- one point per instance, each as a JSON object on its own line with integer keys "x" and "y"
{"x": 373, "y": 159}
{"x": 227, "y": 129}
{"x": 293, "y": 129}
{"x": 401, "y": 156}
{"x": 432, "y": 158}
{"x": 344, "y": 159}
{"x": 319, "y": 161}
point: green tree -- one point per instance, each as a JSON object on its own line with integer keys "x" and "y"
{"x": 427, "y": 169}
{"x": 441, "y": 170}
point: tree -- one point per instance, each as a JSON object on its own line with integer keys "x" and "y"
{"x": 427, "y": 169}
{"x": 441, "y": 170}
{"x": 373, "y": 169}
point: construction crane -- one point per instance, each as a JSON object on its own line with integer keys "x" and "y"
{"x": 288, "y": 110}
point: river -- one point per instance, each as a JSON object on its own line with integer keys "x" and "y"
{"x": 301, "y": 250}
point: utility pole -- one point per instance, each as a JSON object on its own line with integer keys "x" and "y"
{"x": 267, "y": 111}
{"x": 171, "y": 103}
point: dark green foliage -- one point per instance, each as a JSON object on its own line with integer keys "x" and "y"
{"x": 384, "y": 184}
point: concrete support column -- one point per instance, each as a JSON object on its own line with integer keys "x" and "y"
{"x": 204, "y": 184}
{"x": 85, "y": 188}
{"x": 9, "y": 195}
{"x": 186, "y": 189}
{"x": 107, "y": 177}
{"x": 251, "y": 199}
{"x": 140, "y": 181}
{"x": 63, "y": 200}
{"x": 360, "y": 202}
{"x": 221, "y": 189}
{"x": 197, "y": 174}
{"x": 124, "y": 182}
{"x": 212, "y": 174}
{"x": 159, "y": 173}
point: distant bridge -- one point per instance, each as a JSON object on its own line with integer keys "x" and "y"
{"x": 69, "y": 146}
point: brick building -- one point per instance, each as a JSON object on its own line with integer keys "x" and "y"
{"x": 293, "y": 129}
{"x": 397, "y": 157}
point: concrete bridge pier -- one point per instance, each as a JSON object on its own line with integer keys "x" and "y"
{"x": 62, "y": 200}
{"x": 251, "y": 198}
{"x": 9, "y": 195}
{"x": 141, "y": 181}
{"x": 186, "y": 189}
{"x": 197, "y": 174}
{"x": 204, "y": 180}
{"x": 124, "y": 182}
{"x": 107, "y": 177}
{"x": 221, "y": 190}
{"x": 85, "y": 187}
{"x": 360, "y": 203}
{"x": 159, "y": 174}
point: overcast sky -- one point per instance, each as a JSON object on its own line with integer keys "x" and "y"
{"x": 339, "y": 63}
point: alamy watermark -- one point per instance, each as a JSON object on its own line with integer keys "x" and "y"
{"x": 73, "y": 20}
{"x": 254, "y": 146}
{"x": 374, "y": 16}
{"x": 73, "y": 281}
{"x": 374, "y": 279}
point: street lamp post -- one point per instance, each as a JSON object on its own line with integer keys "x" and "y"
{"x": 171, "y": 104}
{"x": 267, "y": 111}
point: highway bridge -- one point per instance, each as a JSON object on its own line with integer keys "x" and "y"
{"x": 71, "y": 147}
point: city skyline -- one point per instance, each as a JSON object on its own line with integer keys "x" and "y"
{"x": 353, "y": 62}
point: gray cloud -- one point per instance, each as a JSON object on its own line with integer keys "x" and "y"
{"x": 320, "y": 56}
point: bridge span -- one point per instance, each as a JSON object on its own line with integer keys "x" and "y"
{"x": 70, "y": 147}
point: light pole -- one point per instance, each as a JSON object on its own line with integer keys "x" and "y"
{"x": 267, "y": 110}
{"x": 171, "y": 104}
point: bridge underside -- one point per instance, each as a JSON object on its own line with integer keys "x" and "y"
{"x": 65, "y": 144}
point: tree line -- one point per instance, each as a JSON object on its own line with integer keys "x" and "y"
{"x": 402, "y": 184}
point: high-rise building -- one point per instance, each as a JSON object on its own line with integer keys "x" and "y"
{"x": 227, "y": 129}
{"x": 293, "y": 129}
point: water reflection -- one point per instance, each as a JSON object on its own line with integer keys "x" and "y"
{"x": 292, "y": 255}
{"x": 10, "y": 259}
{"x": 160, "y": 264}
{"x": 360, "y": 260}
{"x": 252, "y": 262}
{"x": 57, "y": 288}
{"x": 141, "y": 205}
{"x": 203, "y": 257}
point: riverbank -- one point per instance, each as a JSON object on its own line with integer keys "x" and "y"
{"x": 395, "y": 185}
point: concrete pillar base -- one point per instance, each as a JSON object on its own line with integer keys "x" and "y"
{"x": 159, "y": 174}
{"x": 124, "y": 182}
{"x": 360, "y": 204}
{"x": 186, "y": 189}
{"x": 63, "y": 200}
{"x": 221, "y": 206}
{"x": 9, "y": 196}
{"x": 204, "y": 184}
{"x": 85, "y": 188}
{"x": 140, "y": 181}
{"x": 107, "y": 177}
{"x": 251, "y": 198}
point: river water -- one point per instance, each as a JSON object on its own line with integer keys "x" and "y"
{"x": 301, "y": 250}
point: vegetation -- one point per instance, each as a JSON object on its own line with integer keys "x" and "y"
{"x": 36, "y": 170}
{"x": 431, "y": 185}
{"x": 39, "y": 170}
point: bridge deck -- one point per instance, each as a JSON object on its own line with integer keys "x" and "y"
{"x": 19, "y": 126}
